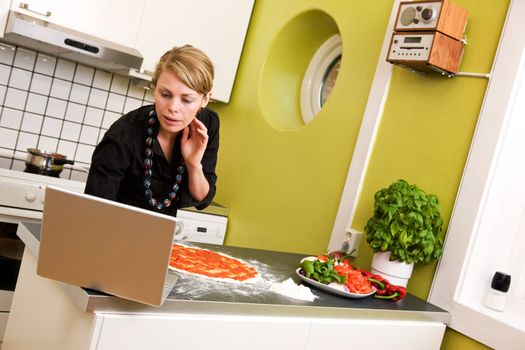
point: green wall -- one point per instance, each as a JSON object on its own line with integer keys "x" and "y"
{"x": 282, "y": 180}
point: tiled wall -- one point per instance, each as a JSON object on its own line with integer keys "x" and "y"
{"x": 59, "y": 106}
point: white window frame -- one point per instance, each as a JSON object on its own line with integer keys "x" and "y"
{"x": 478, "y": 242}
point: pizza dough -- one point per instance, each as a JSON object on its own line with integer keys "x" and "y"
{"x": 209, "y": 264}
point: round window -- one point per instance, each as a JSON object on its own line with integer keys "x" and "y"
{"x": 320, "y": 77}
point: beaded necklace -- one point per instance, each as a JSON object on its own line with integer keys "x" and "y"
{"x": 148, "y": 163}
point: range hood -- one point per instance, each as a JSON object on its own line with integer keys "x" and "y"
{"x": 34, "y": 33}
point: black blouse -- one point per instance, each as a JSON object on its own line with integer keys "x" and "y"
{"x": 117, "y": 166}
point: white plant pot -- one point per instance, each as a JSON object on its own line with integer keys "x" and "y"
{"x": 396, "y": 272}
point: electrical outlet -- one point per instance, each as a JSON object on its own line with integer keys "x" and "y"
{"x": 351, "y": 242}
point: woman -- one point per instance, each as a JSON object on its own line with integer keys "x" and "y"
{"x": 163, "y": 156}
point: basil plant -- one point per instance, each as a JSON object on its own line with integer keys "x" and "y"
{"x": 406, "y": 222}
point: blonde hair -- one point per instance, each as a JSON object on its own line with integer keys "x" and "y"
{"x": 190, "y": 65}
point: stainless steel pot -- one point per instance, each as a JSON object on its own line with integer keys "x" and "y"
{"x": 45, "y": 163}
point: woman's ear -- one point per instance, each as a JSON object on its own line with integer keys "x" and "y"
{"x": 206, "y": 99}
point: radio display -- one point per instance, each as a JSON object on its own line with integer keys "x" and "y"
{"x": 412, "y": 40}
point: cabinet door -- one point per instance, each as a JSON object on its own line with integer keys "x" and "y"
{"x": 379, "y": 334}
{"x": 216, "y": 27}
{"x": 202, "y": 332}
{"x": 116, "y": 20}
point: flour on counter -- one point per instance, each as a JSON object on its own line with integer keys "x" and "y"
{"x": 292, "y": 290}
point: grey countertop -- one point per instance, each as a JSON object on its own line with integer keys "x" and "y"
{"x": 196, "y": 295}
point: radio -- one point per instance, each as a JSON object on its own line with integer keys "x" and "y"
{"x": 426, "y": 52}
{"x": 428, "y": 36}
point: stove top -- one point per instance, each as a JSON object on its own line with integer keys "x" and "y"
{"x": 23, "y": 194}
{"x": 36, "y": 179}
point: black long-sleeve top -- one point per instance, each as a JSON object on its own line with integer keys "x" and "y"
{"x": 117, "y": 167}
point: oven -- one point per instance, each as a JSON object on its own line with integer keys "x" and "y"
{"x": 21, "y": 199}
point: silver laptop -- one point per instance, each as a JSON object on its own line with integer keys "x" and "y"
{"x": 107, "y": 246}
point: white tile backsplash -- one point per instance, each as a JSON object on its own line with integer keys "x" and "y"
{"x": 56, "y": 108}
{"x": 19, "y": 165}
{"x": 41, "y": 84}
{"x": 84, "y": 153}
{"x": 51, "y": 127}
{"x": 11, "y": 118}
{"x": 102, "y": 80}
{"x": 60, "y": 88}
{"x": 36, "y": 103}
{"x": 131, "y": 104}
{"x": 25, "y": 59}
{"x": 32, "y": 122}
{"x": 15, "y": 98}
{"x": 4, "y": 74}
{"x": 150, "y": 97}
{"x": 45, "y": 64}
{"x": 89, "y": 135}
{"x": 7, "y": 54}
{"x": 136, "y": 92}
{"x": 20, "y": 79}
{"x": 115, "y": 102}
{"x": 8, "y": 138}
{"x": 109, "y": 118}
{"x": 48, "y": 144}
{"x": 84, "y": 75}
{"x": 75, "y": 112}
{"x": 5, "y": 162}
{"x": 79, "y": 93}
{"x": 67, "y": 148}
{"x": 65, "y": 69}
{"x": 78, "y": 175}
{"x": 119, "y": 84}
{"x": 94, "y": 116}
{"x": 70, "y": 131}
{"x": 25, "y": 141}
{"x": 58, "y": 105}
{"x": 98, "y": 98}
{"x": 3, "y": 90}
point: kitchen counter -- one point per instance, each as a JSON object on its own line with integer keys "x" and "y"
{"x": 62, "y": 316}
{"x": 193, "y": 294}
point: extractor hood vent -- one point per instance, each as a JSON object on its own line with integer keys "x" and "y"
{"x": 36, "y": 34}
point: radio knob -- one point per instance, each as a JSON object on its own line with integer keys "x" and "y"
{"x": 427, "y": 14}
{"x": 30, "y": 196}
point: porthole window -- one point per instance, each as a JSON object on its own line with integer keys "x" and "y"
{"x": 320, "y": 77}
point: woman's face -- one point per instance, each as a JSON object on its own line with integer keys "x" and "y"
{"x": 176, "y": 104}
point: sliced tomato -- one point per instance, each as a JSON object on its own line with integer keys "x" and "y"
{"x": 323, "y": 258}
{"x": 357, "y": 283}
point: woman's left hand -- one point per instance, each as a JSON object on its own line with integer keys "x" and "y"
{"x": 194, "y": 142}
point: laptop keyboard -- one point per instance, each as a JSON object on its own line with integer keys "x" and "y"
{"x": 168, "y": 285}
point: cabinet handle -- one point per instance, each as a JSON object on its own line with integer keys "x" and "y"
{"x": 25, "y": 6}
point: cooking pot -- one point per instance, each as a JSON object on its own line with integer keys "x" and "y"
{"x": 45, "y": 163}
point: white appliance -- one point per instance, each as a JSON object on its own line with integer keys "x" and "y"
{"x": 201, "y": 227}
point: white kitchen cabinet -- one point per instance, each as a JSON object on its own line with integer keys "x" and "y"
{"x": 216, "y": 27}
{"x": 116, "y": 20}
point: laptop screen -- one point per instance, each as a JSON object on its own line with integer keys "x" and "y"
{"x": 104, "y": 245}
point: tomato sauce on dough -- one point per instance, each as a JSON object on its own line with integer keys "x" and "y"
{"x": 209, "y": 263}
